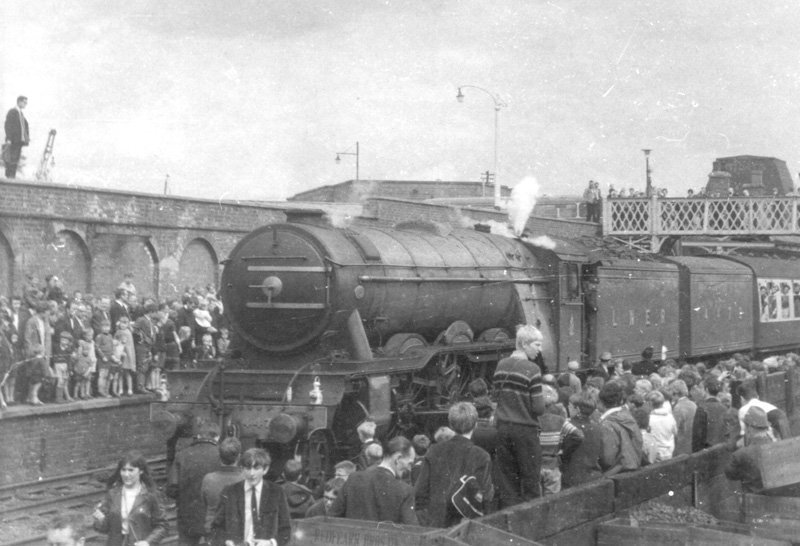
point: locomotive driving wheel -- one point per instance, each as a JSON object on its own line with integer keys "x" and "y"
{"x": 494, "y": 335}
{"x": 400, "y": 344}
{"x": 458, "y": 332}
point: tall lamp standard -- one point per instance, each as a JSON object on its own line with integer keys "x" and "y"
{"x": 649, "y": 181}
{"x": 498, "y": 104}
{"x": 356, "y": 153}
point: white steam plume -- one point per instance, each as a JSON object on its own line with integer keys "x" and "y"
{"x": 542, "y": 241}
{"x": 523, "y": 199}
{"x": 503, "y": 229}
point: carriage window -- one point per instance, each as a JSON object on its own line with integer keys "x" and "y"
{"x": 570, "y": 282}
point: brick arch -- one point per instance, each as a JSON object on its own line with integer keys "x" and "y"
{"x": 67, "y": 257}
{"x": 198, "y": 265}
{"x": 116, "y": 255}
{"x": 6, "y": 266}
{"x": 142, "y": 260}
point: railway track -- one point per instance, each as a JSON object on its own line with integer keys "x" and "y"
{"x": 26, "y": 508}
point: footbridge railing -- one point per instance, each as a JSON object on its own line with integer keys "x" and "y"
{"x": 658, "y": 218}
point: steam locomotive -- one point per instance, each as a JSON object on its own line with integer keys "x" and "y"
{"x": 334, "y": 325}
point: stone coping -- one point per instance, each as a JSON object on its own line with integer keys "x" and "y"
{"x": 22, "y": 411}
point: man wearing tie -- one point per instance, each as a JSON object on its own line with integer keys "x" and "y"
{"x": 100, "y": 314}
{"x": 17, "y": 136}
{"x": 19, "y": 317}
{"x": 253, "y": 511}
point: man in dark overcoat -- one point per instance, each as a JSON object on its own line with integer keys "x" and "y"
{"x": 378, "y": 493}
{"x": 445, "y": 463}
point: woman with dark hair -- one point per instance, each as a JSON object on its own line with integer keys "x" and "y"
{"x": 131, "y": 514}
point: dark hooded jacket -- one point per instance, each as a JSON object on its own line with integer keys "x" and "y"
{"x": 622, "y": 441}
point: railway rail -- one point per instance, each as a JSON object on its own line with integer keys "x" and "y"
{"x": 26, "y": 508}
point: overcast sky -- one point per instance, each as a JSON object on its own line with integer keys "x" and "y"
{"x": 252, "y": 99}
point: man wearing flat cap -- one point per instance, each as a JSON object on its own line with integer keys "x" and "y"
{"x": 601, "y": 369}
{"x": 744, "y": 463}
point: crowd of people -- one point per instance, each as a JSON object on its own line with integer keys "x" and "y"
{"x": 58, "y": 347}
{"x": 531, "y": 435}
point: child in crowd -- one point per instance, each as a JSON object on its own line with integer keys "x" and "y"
{"x": 223, "y": 342}
{"x": 187, "y": 347}
{"x": 85, "y": 362}
{"x": 649, "y": 442}
{"x": 104, "y": 348}
{"x": 115, "y": 368}
{"x": 128, "y": 361}
{"x": 298, "y": 496}
{"x": 62, "y": 364}
{"x": 203, "y": 320}
{"x": 172, "y": 344}
{"x": 88, "y": 338}
{"x": 206, "y": 350}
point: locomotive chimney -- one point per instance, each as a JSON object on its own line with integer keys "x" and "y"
{"x": 314, "y": 217}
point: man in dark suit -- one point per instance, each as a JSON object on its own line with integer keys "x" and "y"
{"x": 119, "y": 308}
{"x": 17, "y": 135}
{"x": 19, "y": 316}
{"x": 253, "y": 510}
{"x": 378, "y": 493}
{"x": 101, "y": 314}
{"x": 71, "y": 322}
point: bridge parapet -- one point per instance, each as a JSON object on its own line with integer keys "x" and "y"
{"x": 659, "y": 217}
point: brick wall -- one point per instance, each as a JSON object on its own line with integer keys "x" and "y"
{"x": 48, "y": 441}
{"x": 416, "y": 190}
{"x": 392, "y": 211}
{"x": 91, "y": 237}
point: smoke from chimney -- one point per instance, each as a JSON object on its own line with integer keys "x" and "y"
{"x": 523, "y": 199}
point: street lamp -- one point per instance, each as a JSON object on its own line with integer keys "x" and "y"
{"x": 649, "y": 181}
{"x": 356, "y": 153}
{"x": 498, "y": 104}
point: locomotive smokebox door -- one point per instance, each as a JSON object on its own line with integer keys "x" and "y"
{"x": 281, "y": 288}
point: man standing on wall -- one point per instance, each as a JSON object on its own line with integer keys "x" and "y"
{"x": 17, "y": 136}
{"x": 518, "y": 387}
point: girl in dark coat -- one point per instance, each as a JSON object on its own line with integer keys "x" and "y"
{"x": 131, "y": 513}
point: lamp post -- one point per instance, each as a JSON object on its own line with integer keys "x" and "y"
{"x": 649, "y": 182}
{"x": 356, "y": 153}
{"x": 498, "y": 104}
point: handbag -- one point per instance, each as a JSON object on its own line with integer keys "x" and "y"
{"x": 466, "y": 497}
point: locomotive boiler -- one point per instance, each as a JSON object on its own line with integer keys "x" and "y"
{"x": 334, "y": 325}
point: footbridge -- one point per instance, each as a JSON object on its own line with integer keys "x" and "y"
{"x": 720, "y": 225}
